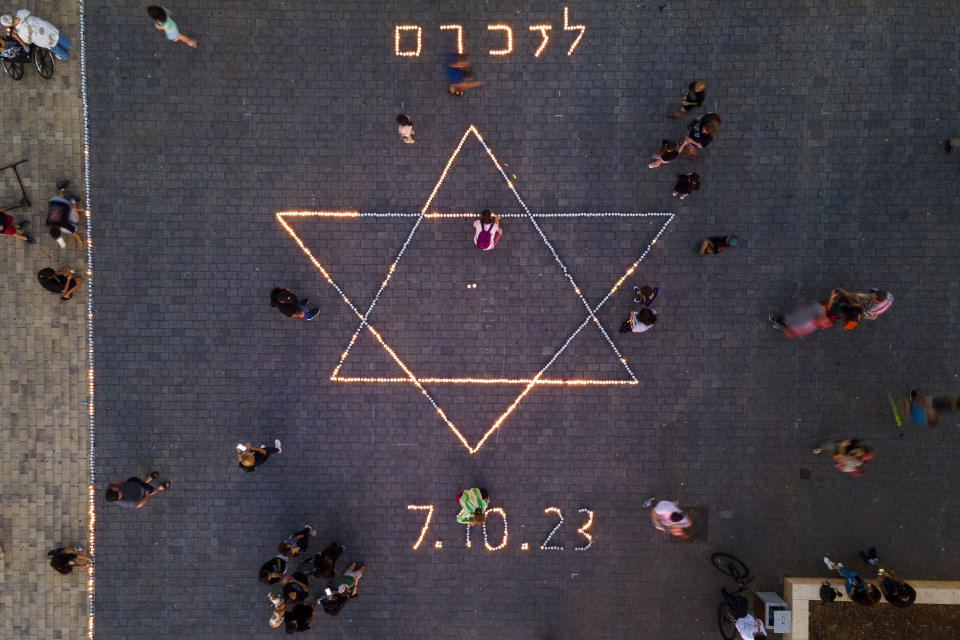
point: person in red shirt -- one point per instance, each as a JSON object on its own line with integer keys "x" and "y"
{"x": 10, "y": 228}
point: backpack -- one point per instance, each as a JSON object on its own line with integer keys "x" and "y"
{"x": 485, "y": 238}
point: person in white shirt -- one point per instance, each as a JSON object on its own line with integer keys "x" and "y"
{"x": 668, "y": 517}
{"x": 639, "y": 321}
{"x": 487, "y": 231}
{"x": 28, "y": 29}
{"x": 751, "y": 628}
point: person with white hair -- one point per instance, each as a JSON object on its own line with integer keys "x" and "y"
{"x": 29, "y": 29}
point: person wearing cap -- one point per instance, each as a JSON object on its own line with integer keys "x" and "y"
{"x": 717, "y": 244}
{"x": 28, "y": 29}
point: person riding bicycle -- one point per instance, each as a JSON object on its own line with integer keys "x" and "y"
{"x": 748, "y": 627}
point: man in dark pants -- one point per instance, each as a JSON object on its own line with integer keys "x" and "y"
{"x": 895, "y": 590}
{"x": 135, "y": 492}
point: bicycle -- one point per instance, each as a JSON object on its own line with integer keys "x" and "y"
{"x": 14, "y": 56}
{"x": 727, "y": 613}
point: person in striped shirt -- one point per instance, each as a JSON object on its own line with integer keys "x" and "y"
{"x": 473, "y": 506}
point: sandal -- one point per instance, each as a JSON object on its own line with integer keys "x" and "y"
{"x": 165, "y": 485}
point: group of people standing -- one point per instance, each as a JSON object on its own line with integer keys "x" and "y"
{"x": 700, "y": 132}
{"x": 290, "y": 606}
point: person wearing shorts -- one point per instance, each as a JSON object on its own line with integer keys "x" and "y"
{"x": 163, "y": 22}
{"x": 10, "y": 228}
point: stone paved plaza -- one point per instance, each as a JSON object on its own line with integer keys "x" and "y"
{"x": 829, "y": 166}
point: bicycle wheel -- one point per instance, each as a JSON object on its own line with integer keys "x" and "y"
{"x": 728, "y": 626}
{"x": 13, "y": 69}
{"x": 730, "y": 566}
{"x": 43, "y": 59}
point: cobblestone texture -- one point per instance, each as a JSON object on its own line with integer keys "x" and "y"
{"x": 43, "y": 354}
{"x": 828, "y": 166}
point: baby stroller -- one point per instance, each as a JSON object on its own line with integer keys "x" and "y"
{"x": 14, "y": 55}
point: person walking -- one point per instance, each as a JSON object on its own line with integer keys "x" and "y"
{"x": 163, "y": 22}
{"x": 10, "y": 228}
{"x": 844, "y": 308}
{"x": 473, "y": 506}
{"x": 65, "y": 559}
{"x": 668, "y": 517}
{"x": 134, "y": 492}
{"x": 62, "y": 282}
{"x": 325, "y": 562}
{"x": 250, "y": 457}
{"x": 63, "y": 216}
{"x": 486, "y": 230}
{"x": 872, "y": 304}
{"x": 717, "y": 244}
{"x": 290, "y": 306}
{"x": 668, "y": 152}
{"x": 29, "y": 29}
{"x": 848, "y": 455}
{"x": 802, "y": 320}
{"x": 273, "y": 570}
{"x": 895, "y": 590}
{"x": 696, "y": 92}
{"x": 687, "y": 183}
{"x": 639, "y": 321}
{"x": 858, "y": 590}
{"x": 296, "y": 543}
{"x": 701, "y": 133}
{"x": 405, "y": 128}
{"x": 460, "y": 74}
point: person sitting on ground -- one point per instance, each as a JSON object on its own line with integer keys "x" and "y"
{"x": 65, "y": 559}
{"x": 473, "y": 506}
{"x": 405, "y": 128}
{"x": 135, "y": 492}
{"x": 299, "y": 617}
{"x": 895, "y": 590}
{"x": 295, "y": 588}
{"x": 279, "y": 608}
{"x": 668, "y": 517}
{"x": 63, "y": 217}
{"x": 861, "y": 592}
{"x": 669, "y": 150}
{"x": 296, "y": 543}
{"x": 487, "y": 230}
{"x": 325, "y": 562}
{"x": 717, "y": 244}
{"x": 639, "y": 321}
{"x": 10, "y": 228}
{"x": 342, "y": 589}
{"x": 62, "y": 282}
{"x": 250, "y": 457}
{"x": 290, "y": 306}
{"x": 273, "y": 570}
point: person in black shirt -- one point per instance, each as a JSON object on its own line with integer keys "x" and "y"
{"x": 250, "y": 457}
{"x": 693, "y": 99}
{"x": 717, "y": 244}
{"x": 669, "y": 150}
{"x": 295, "y": 588}
{"x": 299, "y": 617}
{"x": 894, "y": 589}
{"x": 702, "y": 132}
{"x": 61, "y": 282}
{"x": 65, "y": 559}
{"x": 324, "y": 562}
{"x": 291, "y": 306}
{"x": 296, "y": 543}
{"x": 687, "y": 183}
{"x": 273, "y": 570}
